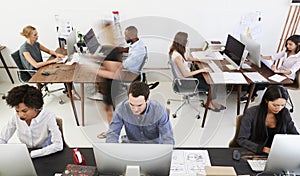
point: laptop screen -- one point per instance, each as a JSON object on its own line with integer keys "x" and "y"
{"x": 91, "y": 42}
{"x": 234, "y": 49}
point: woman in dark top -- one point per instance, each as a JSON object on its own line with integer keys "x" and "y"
{"x": 260, "y": 123}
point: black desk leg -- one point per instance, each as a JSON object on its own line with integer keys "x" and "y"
{"x": 6, "y": 68}
{"x": 252, "y": 86}
{"x": 207, "y": 104}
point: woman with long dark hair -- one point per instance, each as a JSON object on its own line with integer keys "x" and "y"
{"x": 290, "y": 63}
{"x": 178, "y": 55}
{"x": 260, "y": 123}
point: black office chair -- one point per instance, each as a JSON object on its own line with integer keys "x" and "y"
{"x": 187, "y": 87}
{"x": 24, "y": 75}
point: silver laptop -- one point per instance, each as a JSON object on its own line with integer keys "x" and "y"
{"x": 15, "y": 160}
{"x": 92, "y": 42}
{"x": 284, "y": 156}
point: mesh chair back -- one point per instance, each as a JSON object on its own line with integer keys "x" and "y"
{"x": 182, "y": 85}
{"x": 23, "y": 75}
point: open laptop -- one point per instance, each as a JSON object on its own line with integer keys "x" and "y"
{"x": 233, "y": 53}
{"x": 284, "y": 156}
{"x": 92, "y": 42}
{"x": 15, "y": 160}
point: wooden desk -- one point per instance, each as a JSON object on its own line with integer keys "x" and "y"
{"x": 87, "y": 74}
{"x": 264, "y": 71}
{"x": 4, "y": 64}
{"x": 59, "y": 73}
{"x": 222, "y": 65}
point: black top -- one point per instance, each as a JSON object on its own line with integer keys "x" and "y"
{"x": 247, "y": 137}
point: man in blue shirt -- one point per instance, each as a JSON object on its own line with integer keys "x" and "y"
{"x": 145, "y": 121}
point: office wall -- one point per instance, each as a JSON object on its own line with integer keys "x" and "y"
{"x": 211, "y": 19}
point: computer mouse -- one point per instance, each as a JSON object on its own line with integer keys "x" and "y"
{"x": 45, "y": 73}
{"x": 236, "y": 155}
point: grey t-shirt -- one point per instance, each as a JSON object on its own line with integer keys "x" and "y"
{"x": 35, "y": 53}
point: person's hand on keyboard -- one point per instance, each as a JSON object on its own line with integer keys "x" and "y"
{"x": 205, "y": 69}
{"x": 56, "y": 60}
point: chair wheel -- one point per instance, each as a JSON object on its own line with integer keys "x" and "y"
{"x": 174, "y": 115}
{"x": 168, "y": 102}
{"x": 198, "y": 116}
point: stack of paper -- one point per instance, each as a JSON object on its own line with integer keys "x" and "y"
{"x": 256, "y": 77}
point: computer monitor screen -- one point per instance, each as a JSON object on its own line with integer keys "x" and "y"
{"x": 15, "y": 160}
{"x": 71, "y": 41}
{"x": 92, "y": 42}
{"x": 234, "y": 49}
{"x": 253, "y": 49}
{"x": 284, "y": 154}
{"x": 152, "y": 159}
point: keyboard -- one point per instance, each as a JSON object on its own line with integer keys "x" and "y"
{"x": 257, "y": 165}
{"x": 214, "y": 67}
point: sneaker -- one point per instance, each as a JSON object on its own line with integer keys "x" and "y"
{"x": 102, "y": 135}
{"x": 96, "y": 96}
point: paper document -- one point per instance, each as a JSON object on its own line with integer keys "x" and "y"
{"x": 277, "y": 78}
{"x": 189, "y": 162}
{"x": 255, "y": 77}
{"x": 228, "y": 78}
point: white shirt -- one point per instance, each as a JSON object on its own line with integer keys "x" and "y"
{"x": 291, "y": 63}
{"x": 184, "y": 62}
{"x": 43, "y": 133}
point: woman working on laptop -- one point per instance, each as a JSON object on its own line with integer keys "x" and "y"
{"x": 260, "y": 123}
{"x": 35, "y": 126}
{"x": 178, "y": 55}
{"x": 30, "y": 53}
{"x": 290, "y": 58}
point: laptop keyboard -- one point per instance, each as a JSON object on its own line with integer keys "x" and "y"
{"x": 257, "y": 165}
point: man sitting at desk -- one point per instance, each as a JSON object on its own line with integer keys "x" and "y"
{"x": 145, "y": 121}
{"x": 113, "y": 64}
{"x": 35, "y": 126}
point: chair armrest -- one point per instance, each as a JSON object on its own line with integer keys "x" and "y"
{"x": 186, "y": 84}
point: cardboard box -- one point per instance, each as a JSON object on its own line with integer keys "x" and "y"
{"x": 218, "y": 171}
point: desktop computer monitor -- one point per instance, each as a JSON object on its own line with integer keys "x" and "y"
{"x": 234, "y": 49}
{"x": 71, "y": 41}
{"x": 284, "y": 155}
{"x": 115, "y": 158}
{"x": 15, "y": 160}
{"x": 253, "y": 49}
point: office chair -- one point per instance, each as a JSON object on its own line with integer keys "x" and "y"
{"x": 294, "y": 86}
{"x": 24, "y": 75}
{"x": 60, "y": 126}
{"x": 233, "y": 143}
{"x": 187, "y": 87}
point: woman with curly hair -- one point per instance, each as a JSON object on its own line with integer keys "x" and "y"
{"x": 35, "y": 126}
